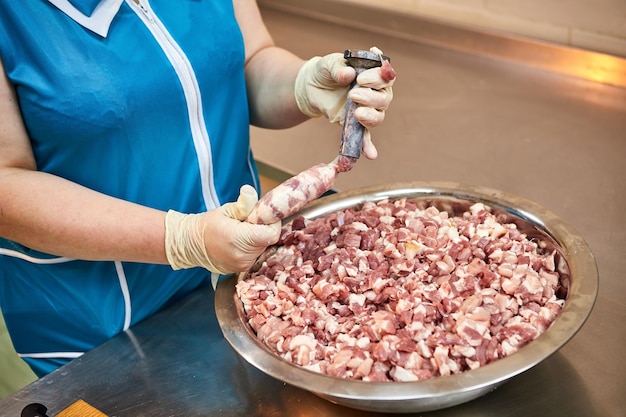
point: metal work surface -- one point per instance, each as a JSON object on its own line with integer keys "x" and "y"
{"x": 557, "y": 140}
{"x": 539, "y": 225}
{"x": 177, "y": 364}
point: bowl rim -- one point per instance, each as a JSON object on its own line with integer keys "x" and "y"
{"x": 580, "y": 301}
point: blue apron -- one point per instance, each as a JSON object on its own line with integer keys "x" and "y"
{"x": 142, "y": 102}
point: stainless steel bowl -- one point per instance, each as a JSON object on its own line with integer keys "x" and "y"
{"x": 440, "y": 392}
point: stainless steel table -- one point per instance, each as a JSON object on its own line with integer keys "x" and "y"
{"x": 177, "y": 364}
{"x": 456, "y": 116}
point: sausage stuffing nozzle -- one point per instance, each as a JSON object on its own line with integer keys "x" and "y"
{"x": 352, "y": 134}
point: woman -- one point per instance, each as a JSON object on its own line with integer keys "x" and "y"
{"x": 118, "y": 116}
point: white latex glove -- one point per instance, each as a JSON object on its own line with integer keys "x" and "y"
{"x": 322, "y": 86}
{"x": 218, "y": 240}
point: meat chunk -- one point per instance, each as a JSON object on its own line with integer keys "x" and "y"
{"x": 392, "y": 291}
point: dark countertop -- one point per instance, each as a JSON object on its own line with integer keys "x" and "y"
{"x": 461, "y": 117}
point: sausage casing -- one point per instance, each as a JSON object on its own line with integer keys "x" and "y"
{"x": 293, "y": 194}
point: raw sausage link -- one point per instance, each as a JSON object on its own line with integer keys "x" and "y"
{"x": 293, "y": 194}
{"x": 387, "y": 72}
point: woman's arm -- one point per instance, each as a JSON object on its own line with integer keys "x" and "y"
{"x": 54, "y": 215}
{"x": 50, "y": 214}
{"x": 270, "y": 72}
{"x": 274, "y": 76}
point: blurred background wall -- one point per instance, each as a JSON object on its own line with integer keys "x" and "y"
{"x": 597, "y": 25}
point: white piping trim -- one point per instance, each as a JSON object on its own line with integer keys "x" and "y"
{"x": 48, "y": 355}
{"x": 181, "y": 65}
{"x": 28, "y": 258}
{"x": 250, "y": 162}
{"x": 215, "y": 277}
{"x": 135, "y": 343}
{"x": 100, "y": 19}
{"x": 121, "y": 276}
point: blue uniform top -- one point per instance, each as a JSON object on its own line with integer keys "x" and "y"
{"x": 142, "y": 101}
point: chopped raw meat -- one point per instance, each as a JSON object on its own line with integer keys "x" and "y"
{"x": 396, "y": 292}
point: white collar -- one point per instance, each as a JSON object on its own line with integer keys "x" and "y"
{"x": 100, "y": 18}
